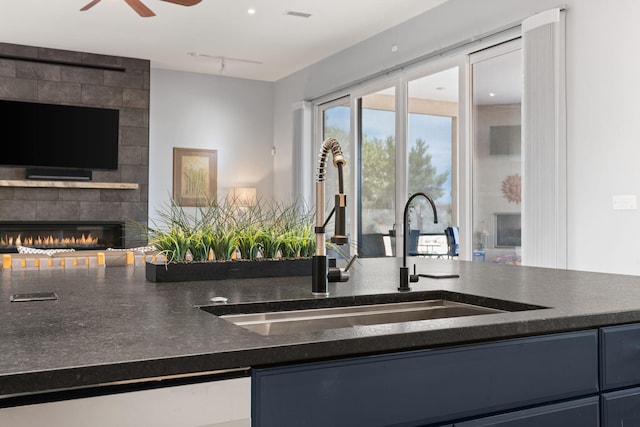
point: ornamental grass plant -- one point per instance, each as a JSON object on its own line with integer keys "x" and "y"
{"x": 220, "y": 230}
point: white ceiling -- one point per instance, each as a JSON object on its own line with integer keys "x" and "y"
{"x": 281, "y": 44}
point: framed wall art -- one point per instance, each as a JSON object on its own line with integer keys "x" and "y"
{"x": 194, "y": 176}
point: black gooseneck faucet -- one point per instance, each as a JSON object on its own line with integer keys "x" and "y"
{"x": 321, "y": 272}
{"x": 404, "y": 270}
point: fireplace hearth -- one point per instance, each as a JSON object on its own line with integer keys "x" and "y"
{"x": 61, "y": 235}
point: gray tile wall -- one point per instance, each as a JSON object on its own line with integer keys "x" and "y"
{"x": 66, "y": 83}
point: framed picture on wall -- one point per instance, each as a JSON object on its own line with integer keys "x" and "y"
{"x": 508, "y": 230}
{"x": 194, "y": 176}
{"x": 505, "y": 140}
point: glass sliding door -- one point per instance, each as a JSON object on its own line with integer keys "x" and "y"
{"x": 422, "y": 113}
{"x": 432, "y": 120}
{"x": 377, "y": 167}
{"x": 497, "y": 158}
{"x": 426, "y": 131}
{"x": 399, "y": 137}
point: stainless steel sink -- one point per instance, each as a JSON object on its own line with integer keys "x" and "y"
{"x": 304, "y": 315}
{"x": 295, "y": 321}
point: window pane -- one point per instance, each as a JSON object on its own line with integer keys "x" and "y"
{"x": 430, "y": 166}
{"x": 377, "y": 173}
{"x": 431, "y": 134}
{"x": 337, "y": 125}
{"x": 497, "y": 161}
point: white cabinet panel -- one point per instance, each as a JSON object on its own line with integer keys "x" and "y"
{"x": 225, "y": 403}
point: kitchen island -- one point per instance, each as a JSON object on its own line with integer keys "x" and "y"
{"x": 111, "y": 326}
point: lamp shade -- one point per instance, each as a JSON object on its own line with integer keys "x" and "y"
{"x": 243, "y": 196}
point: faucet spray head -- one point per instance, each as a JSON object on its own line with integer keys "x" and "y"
{"x": 340, "y": 235}
{"x": 332, "y": 145}
{"x": 320, "y": 269}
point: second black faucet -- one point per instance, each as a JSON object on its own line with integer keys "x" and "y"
{"x": 404, "y": 270}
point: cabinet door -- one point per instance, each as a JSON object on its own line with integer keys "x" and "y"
{"x": 621, "y": 408}
{"x": 620, "y": 356}
{"x": 427, "y": 386}
{"x": 583, "y": 413}
{"x": 224, "y": 403}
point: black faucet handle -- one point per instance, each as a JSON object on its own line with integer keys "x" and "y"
{"x": 337, "y": 274}
{"x": 404, "y": 280}
{"x": 414, "y": 277}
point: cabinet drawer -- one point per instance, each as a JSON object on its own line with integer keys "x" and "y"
{"x": 621, "y": 408}
{"x": 427, "y": 386}
{"x": 583, "y": 413}
{"x": 620, "y": 356}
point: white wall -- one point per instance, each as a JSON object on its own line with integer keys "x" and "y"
{"x": 603, "y": 129}
{"x": 233, "y": 116}
{"x": 603, "y": 134}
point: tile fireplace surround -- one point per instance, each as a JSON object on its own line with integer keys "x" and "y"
{"x": 35, "y": 74}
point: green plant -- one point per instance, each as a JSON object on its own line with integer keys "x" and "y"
{"x": 173, "y": 243}
{"x": 200, "y": 244}
{"x": 287, "y": 226}
{"x": 269, "y": 229}
{"x": 174, "y": 238}
{"x": 248, "y": 241}
{"x": 289, "y": 244}
{"x": 224, "y": 244}
{"x": 217, "y": 217}
{"x": 307, "y": 242}
{"x": 270, "y": 243}
{"x": 249, "y": 230}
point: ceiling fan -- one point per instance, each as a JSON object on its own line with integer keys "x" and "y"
{"x": 140, "y": 7}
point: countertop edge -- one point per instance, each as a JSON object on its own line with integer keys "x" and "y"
{"x": 100, "y": 375}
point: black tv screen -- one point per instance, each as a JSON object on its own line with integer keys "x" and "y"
{"x": 58, "y": 136}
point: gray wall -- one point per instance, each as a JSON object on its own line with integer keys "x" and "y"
{"x": 232, "y": 116}
{"x": 73, "y": 85}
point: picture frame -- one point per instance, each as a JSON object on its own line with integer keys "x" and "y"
{"x": 505, "y": 140}
{"x": 508, "y": 230}
{"x": 195, "y": 172}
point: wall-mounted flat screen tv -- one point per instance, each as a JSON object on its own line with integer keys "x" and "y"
{"x": 58, "y": 136}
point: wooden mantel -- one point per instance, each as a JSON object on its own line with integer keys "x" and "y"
{"x": 68, "y": 184}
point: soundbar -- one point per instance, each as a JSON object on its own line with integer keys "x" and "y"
{"x": 59, "y": 174}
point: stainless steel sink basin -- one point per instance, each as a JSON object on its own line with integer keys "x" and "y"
{"x": 318, "y": 314}
{"x": 295, "y": 321}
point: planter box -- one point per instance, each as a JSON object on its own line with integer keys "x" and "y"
{"x": 237, "y": 269}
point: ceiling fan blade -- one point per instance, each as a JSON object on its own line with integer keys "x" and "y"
{"x": 140, "y": 8}
{"x": 90, "y": 5}
{"x": 184, "y": 2}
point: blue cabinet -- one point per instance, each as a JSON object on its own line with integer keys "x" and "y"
{"x": 579, "y": 413}
{"x": 621, "y": 408}
{"x": 620, "y": 373}
{"x": 426, "y": 387}
{"x": 620, "y": 356}
{"x": 586, "y": 378}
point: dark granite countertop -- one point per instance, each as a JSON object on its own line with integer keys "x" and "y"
{"x": 111, "y": 325}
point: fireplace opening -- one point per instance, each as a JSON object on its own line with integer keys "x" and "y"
{"x": 61, "y": 235}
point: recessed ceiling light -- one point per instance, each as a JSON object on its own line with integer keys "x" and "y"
{"x": 251, "y": 11}
{"x": 492, "y": 94}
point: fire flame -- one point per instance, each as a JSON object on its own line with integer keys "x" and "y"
{"x": 83, "y": 240}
